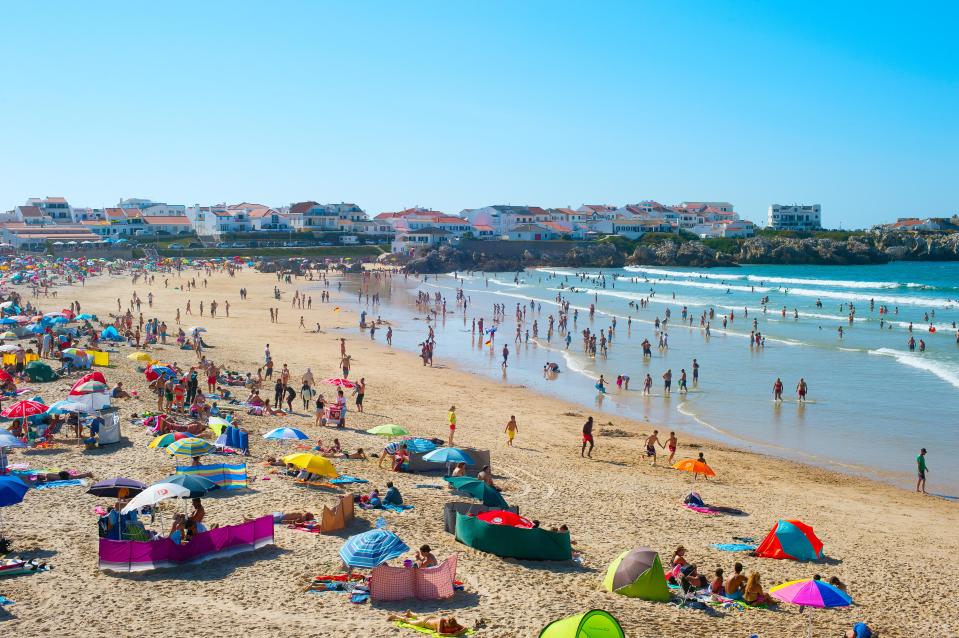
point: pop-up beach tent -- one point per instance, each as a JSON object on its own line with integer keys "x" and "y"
{"x": 638, "y": 574}
{"x": 513, "y": 542}
{"x": 791, "y": 539}
{"x": 592, "y": 624}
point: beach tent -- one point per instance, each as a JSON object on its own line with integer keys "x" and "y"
{"x": 791, "y": 539}
{"x": 513, "y": 542}
{"x": 38, "y": 371}
{"x": 450, "y": 510}
{"x": 592, "y": 624}
{"x": 637, "y": 574}
{"x": 110, "y": 334}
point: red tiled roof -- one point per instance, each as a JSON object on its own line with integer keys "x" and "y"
{"x": 301, "y": 207}
{"x": 55, "y": 200}
{"x": 31, "y": 211}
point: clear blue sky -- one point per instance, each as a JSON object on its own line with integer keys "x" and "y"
{"x": 454, "y": 105}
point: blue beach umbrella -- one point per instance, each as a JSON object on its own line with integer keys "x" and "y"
{"x": 420, "y": 446}
{"x": 12, "y": 490}
{"x": 448, "y": 455}
{"x": 372, "y": 548}
{"x": 198, "y": 485}
{"x": 7, "y": 321}
{"x": 285, "y": 434}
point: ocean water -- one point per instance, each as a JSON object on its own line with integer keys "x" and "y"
{"x": 872, "y": 404}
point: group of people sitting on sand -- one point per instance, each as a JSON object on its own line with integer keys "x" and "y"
{"x": 738, "y": 586}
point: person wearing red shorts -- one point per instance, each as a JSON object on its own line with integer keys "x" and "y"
{"x": 587, "y": 438}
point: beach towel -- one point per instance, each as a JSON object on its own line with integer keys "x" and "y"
{"x": 423, "y": 630}
{"x": 734, "y": 547}
{"x": 702, "y": 509}
{"x": 53, "y": 484}
{"x": 5, "y": 601}
{"x": 344, "y": 479}
{"x": 396, "y": 508}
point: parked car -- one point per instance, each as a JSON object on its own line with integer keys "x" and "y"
{"x": 195, "y": 244}
{"x": 175, "y": 246}
{"x": 222, "y": 244}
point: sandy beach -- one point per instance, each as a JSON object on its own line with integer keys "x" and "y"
{"x": 891, "y": 547}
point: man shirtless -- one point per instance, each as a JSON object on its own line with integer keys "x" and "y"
{"x": 801, "y": 390}
{"x": 651, "y": 442}
{"x": 671, "y": 446}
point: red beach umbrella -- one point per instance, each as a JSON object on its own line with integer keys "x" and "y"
{"x": 23, "y": 409}
{"x": 505, "y": 517}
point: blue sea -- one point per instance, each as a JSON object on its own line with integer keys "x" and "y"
{"x": 872, "y": 403}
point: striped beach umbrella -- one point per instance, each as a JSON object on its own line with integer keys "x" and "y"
{"x": 285, "y": 434}
{"x": 190, "y": 446}
{"x": 167, "y": 439}
{"x": 372, "y": 548}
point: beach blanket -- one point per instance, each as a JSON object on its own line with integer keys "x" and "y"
{"x": 701, "y": 510}
{"x": 422, "y": 630}
{"x": 5, "y": 601}
{"x": 734, "y": 547}
{"x": 52, "y": 484}
{"x": 20, "y": 567}
{"x": 396, "y": 508}
{"x": 335, "y": 582}
{"x": 228, "y": 477}
{"x": 344, "y": 479}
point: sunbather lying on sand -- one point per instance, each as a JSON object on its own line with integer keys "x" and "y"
{"x": 443, "y": 625}
{"x": 55, "y": 476}
{"x": 293, "y": 518}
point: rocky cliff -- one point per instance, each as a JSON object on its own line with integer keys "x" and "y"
{"x": 865, "y": 248}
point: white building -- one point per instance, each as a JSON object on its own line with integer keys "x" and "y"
{"x": 408, "y": 242}
{"x": 56, "y": 208}
{"x": 150, "y": 208}
{"x": 795, "y": 217}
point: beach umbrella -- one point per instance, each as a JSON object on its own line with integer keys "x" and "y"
{"x": 811, "y": 593}
{"x": 198, "y": 485}
{"x": 154, "y": 494}
{"x": 505, "y": 517}
{"x": 8, "y": 440}
{"x": 12, "y": 491}
{"x": 388, "y": 429}
{"x": 23, "y": 409}
{"x": 10, "y": 347}
{"x": 312, "y": 463}
{"x": 342, "y": 383}
{"x": 190, "y": 446}
{"x": 448, "y": 455}
{"x": 217, "y": 424}
{"x": 478, "y": 490}
{"x": 8, "y": 321}
{"x": 196, "y": 329}
{"x": 8, "y": 335}
{"x": 119, "y": 487}
{"x": 67, "y": 406}
{"x": 86, "y": 316}
{"x": 142, "y": 357}
{"x": 694, "y": 466}
{"x": 372, "y": 548}
{"x": 167, "y": 439}
{"x": 76, "y": 352}
{"x": 89, "y": 387}
{"x": 285, "y": 434}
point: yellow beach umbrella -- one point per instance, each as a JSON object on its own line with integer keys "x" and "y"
{"x": 140, "y": 356}
{"x": 312, "y": 463}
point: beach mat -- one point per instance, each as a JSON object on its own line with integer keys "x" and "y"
{"x": 52, "y": 484}
{"x": 734, "y": 547}
{"x": 423, "y": 630}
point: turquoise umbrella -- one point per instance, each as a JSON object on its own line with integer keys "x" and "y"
{"x": 478, "y": 490}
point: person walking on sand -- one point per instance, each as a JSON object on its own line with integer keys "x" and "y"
{"x": 587, "y": 438}
{"x": 651, "y": 442}
{"x": 778, "y": 390}
{"x": 511, "y": 430}
{"x": 360, "y": 391}
{"x": 801, "y": 390}
{"x": 671, "y": 446}
{"x": 451, "y": 419}
{"x": 921, "y": 462}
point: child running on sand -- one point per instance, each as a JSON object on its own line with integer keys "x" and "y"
{"x": 511, "y": 430}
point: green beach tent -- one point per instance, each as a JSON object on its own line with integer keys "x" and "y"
{"x": 38, "y": 371}
{"x": 637, "y": 574}
{"x": 593, "y": 624}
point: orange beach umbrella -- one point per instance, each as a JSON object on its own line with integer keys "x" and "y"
{"x": 694, "y": 466}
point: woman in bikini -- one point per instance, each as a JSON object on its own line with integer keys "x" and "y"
{"x": 442, "y": 625}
